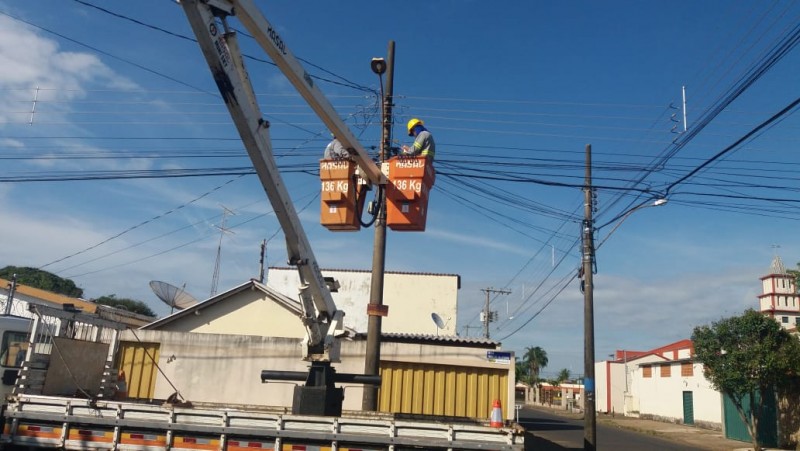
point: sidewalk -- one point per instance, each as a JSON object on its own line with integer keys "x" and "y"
{"x": 678, "y": 433}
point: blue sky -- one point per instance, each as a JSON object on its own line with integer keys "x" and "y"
{"x": 512, "y": 93}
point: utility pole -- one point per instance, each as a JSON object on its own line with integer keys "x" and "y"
{"x": 589, "y": 415}
{"x": 261, "y": 261}
{"x": 489, "y": 316}
{"x": 376, "y": 310}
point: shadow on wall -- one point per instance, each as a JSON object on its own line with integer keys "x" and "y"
{"x": 789, "y": 414}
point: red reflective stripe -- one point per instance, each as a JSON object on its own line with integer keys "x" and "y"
{"x": 84, "y": 432}
{"x": 298, "y": 448}
{"x": 137, "y": 436}
{"x": 189, "y": 440}
{"x": 254, "y": 445}
{"x": 34, "y": 428}
{"x": 233, "y": 443}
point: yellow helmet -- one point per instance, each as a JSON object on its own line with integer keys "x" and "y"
{"x": 413, "y": 123}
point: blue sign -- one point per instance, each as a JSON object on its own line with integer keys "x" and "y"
{"x": 498, "y": 356}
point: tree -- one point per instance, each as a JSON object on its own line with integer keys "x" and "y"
{"x": 536, "y": 359}
{"x": 130, "y": 305}
{"x": 521, "y": 372}
{"x": 745, "y": 357}
{"x": 43, "y": 280}
{"x": 563, "y": 376}
{"x": 796, "y": 274}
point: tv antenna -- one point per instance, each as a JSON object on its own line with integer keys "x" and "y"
{"x": 174, "y": 297}
{"x": 222, "y": 231}
{"x": 440, "y": 324}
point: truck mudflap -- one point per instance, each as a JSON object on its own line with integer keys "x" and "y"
{"x": 80, "y": 424}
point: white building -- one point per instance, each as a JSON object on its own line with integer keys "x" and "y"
{"x": 676, "y": 391}
{"x": 412, "y": 298}
{"x": 779, "y": 298}
{"x": 616, "y": 389}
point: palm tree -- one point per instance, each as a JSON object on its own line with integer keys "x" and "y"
{"x": 536, "y": 359}
{"x": 521, "y": 372}
{"x": 563, "y": 376}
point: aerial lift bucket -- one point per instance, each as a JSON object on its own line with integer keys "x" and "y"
{"x": 338, "y": 199}
{"x": 410, "y": 181}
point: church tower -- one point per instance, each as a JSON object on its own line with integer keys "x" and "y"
{"x": 780, "y": 299}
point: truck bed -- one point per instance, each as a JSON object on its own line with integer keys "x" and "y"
{"x": 80, "y": 424}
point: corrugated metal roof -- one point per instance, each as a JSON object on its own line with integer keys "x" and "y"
{"x": 49, "y": 296}
{"x": 441, "y": 340}
{"x": 275, "y": 296}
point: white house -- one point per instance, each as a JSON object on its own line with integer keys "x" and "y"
{"x": 676, "y": 391}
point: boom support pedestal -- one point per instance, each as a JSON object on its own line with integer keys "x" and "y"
{"x": 319, "y": 396}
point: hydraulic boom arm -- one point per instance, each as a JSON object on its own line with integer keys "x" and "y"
{"x": 220, "y": 48}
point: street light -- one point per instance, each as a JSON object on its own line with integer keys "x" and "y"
{"x": 622, "y": 217}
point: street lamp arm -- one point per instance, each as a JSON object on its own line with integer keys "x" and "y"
{"x": 622, "y": 217}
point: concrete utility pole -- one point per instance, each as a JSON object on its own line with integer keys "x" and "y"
{"x": 376, "y": 310}
{"x": 489, "y": 316}
{"x": 589, "y": 414}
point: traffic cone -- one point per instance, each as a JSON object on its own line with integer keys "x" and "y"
{"x": 122, "y": 387}
{"x": 496, "y": 420}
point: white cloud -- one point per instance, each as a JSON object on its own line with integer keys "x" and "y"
{"x": 29, "y": 60}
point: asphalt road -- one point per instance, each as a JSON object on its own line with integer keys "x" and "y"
{"x": 554, "y": 433}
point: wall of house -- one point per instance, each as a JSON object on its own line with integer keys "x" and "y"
{"x": 411, "y": 298}
{"x": 216, "y": 368}
{"x": 609, "y": 386}
{"x": 246, "y": 313}
{"x": 661, "y": 397}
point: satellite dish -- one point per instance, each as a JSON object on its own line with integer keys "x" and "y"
{"x": 438, "y": 321}
{"x": 173, "y": 296}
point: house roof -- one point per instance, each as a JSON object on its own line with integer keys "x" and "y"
{"x": 272, "y": 294}
{"x": 677, "y": 346}
{"x": 439, "y": 340}
{"x": 630, "y": 356}
{"x": 49, "y": 296}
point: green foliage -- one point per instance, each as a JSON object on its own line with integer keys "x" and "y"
{"x": 43, "y": 280}
{"x": 536, "y": 359}
{"x": 796, "y": 274}
{"x": 130, "y": 305}
{"x": 746, "y": 355}
{"x": 563, "y": 376}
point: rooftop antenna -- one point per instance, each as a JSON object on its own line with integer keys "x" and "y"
{"x": 174, "y": 297}
{"x": 222, "y": 231}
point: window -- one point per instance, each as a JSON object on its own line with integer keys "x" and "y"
{"x": 13, "y": 349}
{"x": 666, "y": 370}
{"x": 687, "y": 369}
{"x": 797, "y": 320}
{"x": 785, "y": 319}
{"x": 647, "y": 371}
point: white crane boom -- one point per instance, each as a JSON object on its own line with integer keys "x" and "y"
{"x": 220, "y": 48}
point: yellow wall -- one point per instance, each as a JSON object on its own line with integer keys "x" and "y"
{"x": 136, "y": 360}
{"x": 246, "y": 313}
{"x": 441, "y": 390}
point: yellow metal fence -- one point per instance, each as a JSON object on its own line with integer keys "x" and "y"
{"x": 137, "y": 359}
{"x": 441, "y": 390}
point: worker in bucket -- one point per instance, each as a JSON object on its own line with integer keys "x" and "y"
{"x": 335, "y": 150}
{"x": 423, "y": 140}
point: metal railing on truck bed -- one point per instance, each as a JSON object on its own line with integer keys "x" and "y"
{"x": 81, "y": 424}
